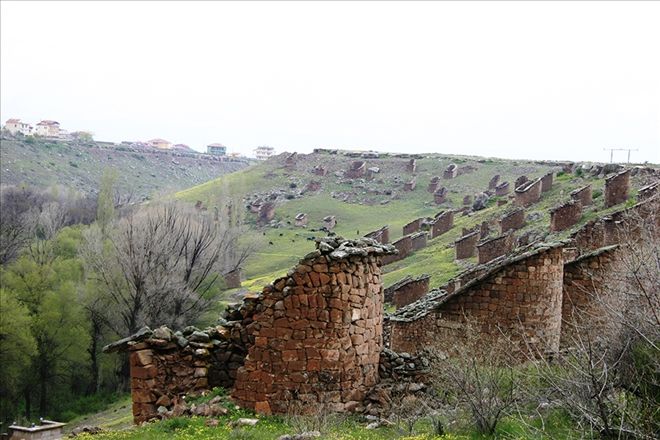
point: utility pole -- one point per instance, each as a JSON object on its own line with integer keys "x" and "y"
{"x": 612, "y": 150}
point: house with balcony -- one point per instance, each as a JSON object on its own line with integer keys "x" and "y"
{"x": 216, "y": 149}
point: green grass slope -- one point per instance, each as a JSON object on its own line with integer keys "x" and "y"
{"x": 370, "y": 208}
{"x": 80, "y": 165}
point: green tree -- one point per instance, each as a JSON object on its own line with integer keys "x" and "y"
{"x": 105, "y": 211}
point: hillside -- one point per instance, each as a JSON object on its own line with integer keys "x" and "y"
{"x": 143, "y": 173}
{"x": 362, "y": 205}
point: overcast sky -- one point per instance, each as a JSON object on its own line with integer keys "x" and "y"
{"x": 540, "y": 80}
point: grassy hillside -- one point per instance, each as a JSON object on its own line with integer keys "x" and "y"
{"x": 368, "y": 207}
{"x": 40, "y": 163}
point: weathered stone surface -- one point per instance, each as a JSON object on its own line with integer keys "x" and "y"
{"x": 466, "y": 246}
{"x": 583, "y": 195}
{"x": 528, "y": 193}
{"x": 407, "y": 290}
{"x": 566, "y": 215}
{"x": 495, "y": 248}
{"x": 450, "y": 172}
{"x": 617, "y": 188}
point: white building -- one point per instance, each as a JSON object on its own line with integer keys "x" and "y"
{"x": 47, "y": 128}
{"x": 16, "y": 126}
{"x": 264, "y": 152}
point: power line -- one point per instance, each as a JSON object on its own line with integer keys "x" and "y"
{"x": 612, "y": 150}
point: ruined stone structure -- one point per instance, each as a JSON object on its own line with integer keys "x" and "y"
{"x": 233, "y": 279}
{"x": 484, "y": 229}
{"x": 381, "y": 235}
{"x": 312, "y": 186}
{"x": 410, "y": 185}
{"x": 521, "y": 296}
{"x": 584, "y": 302}
{"x": 495, "y": 247}
{"x": 502, "y": 189}
{"x": 546, "y": 182}
{"x": 466, "y": 169}
{"x": 583, "y": 195}
{"x": 440, "y": 195}
{"x": 319, "y": 170}
{"x": 413, "y": 226}
{"x": 617, "y": 188}
{"x": 648, "y": 191}
{"x": 494, "y": 181}
{"x": 318, "y": 333}
{"x": 467, "y": 200}
{"x": 301, "y": 219}
{"x": 357, "y": 170}
{"x": 407, "y": 290}
{"x": 290, "y": 161}
{"x": 590, "y": 236}
{"x": 565, "y": 215}
{"x": 466, "y": 246}
{"x": 528, "y": 193}
{"x": 512, "y": 220}
{"x": 404, "y": 247}
{"x": 442, "y": 223}
{"x": 266, "y": 212}
{"x": 520, "y": 181}
{"x": 450, "y": 172}
{"x": 419, "y": 240}
{"x": 329, "y": 222}
{"x": 411, "y": 166}
{"x": 433, "y": 184}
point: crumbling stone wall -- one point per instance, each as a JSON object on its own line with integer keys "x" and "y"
{"x": 443, "y": 222}
{"x": 233, "y": 278}
{"x": 546, "y": 182}
{"x": 466, "y": 246}
{"x": 590, "y": 236}
{"x": 494, "y": 181}
{"x": 419, "y": 240}
{"x": 440, "y": 195}
{"x": 381, "y": 235}
{"x": 502, "y": 189}
{"x": 357, "y": 170}
{"x": 319, "y": 170}
{"x": 528, "y": 193}
{"x": 329, "y": 222}
{"x": 318, "y": 334}
{"x": 413, "y": 226}
{"x": 411, "y": 166}
{"x": 521, "y": 181}
{"x": 566, "y": 215}
{"x": 495, "y": 247}
{"x": 521, "y": 297}
{"x": 512, "y": 220}
{"x": 410, "y": 185}
{"x": 433, "y": 184}
{"x": 648, "y": 191}
{"x": 407, "y": 290}
{"x": 583, "y": 195}
{"x": 301, "y": 219}
{"x": 450, "y": 172}
{"x": 617, "y": 188}
{"x": 404, "y": 247}
{"x": 266, "y": 212}
{"x": 585, "y": 302}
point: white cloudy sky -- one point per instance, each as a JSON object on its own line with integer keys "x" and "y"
{"x": 555, "y": 80}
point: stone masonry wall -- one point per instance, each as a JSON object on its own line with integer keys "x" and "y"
{"x": 495, "y": 247}
{"x": 413, "y": 226}
{"x": 566, "y": 215}
{"x": 522, "y": 298}
{"x": 546, "y": 182}
{"x": 617, "y": 188}
{"x": 404, "y": 246}
{"x": 528, "y": 193}
{"x": 512, "y": 221}
{"x": 583, "y": 195}
{"x": 502, "y": 189}
{"x": 444, "y": 221}
{"x": 318, "y": 335}
{"x": 381, "y": 235}
{"x": 407, "y": 290}
{"x": 419, "y": 240}
{"x": 584, "y": 302}
{"x": 466, "y": 246}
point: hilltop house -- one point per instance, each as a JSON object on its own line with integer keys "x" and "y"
{"x": 216, "y": 149}
{"x": 47, "y": 128}
{"x": 15, "y": 126}
{"x": 264, "y": 152}
{"x": 161, "y": 144}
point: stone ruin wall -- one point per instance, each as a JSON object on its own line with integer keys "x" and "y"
{"x": 381, "y": 235}
{"x": 413, "y": 226}
{"x": 419, "y": 240}
{"x": 566, "y": 215}
{"x": 546, "y": 182}
{"x": 433, "y": 184}
{"x": 404, "y": 247}
{"x": 443, "y": 222}
{"x": 512, "y": 221}
{"x": 528, "y": 193}
{"x": 584, "y": 301}
{"x": 318, "y": 334}
{"x": 502, "y": 189}
{"x": 617, "y": 188}
{"x": 494, "y": 181}
{"x": 466, "y": 246}
{"x": 407, "y": 290}
{"x": 450, "y": 172}
{"x": 495, "y": 247}
{"x": 526, "y": 293}
{"x": 440, "y": 196}
{"x": 584, "y": 195}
